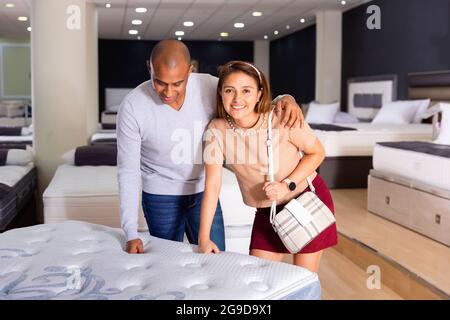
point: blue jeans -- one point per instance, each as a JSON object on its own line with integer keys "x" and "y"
{"x": 168, "y": 217}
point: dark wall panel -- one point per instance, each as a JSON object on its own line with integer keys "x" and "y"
{"x": 293, "y": 65}
{"x": 122, "y": 63}
{"x": 414, "y": 37}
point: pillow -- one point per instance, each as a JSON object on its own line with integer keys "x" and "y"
{"x": 345, "y": 117}
{"x": 114, "y": 108}
{"x": 15, "y": 157}
{"x": 322, "y": 113}
{"x": 397, "y": 112}
{"x": 444, "y": 134}
{"x": 423, "y": 106}
{"x": 97, "y": 155}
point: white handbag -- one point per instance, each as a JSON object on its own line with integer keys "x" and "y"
{"x": 301, "y": 219}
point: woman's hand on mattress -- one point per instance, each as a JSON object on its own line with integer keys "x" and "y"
{"x": 276, "y": 190}
{"x": 207, "y": 246}
{"x": 135, "y": 246}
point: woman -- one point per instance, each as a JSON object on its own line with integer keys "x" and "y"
{"x": 239, "y": 137}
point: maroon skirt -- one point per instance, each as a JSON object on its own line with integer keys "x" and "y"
{"x": 265, "y": 238}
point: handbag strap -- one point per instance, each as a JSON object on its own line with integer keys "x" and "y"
{"x": 273, "y": 208}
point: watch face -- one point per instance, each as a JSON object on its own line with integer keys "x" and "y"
{"x": 292, "y": 186}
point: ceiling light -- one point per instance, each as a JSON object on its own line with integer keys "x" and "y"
{"x": 266, "y": 37}
{"x": 10, "y": 5}
{"x": 133, "y": 32}
{"x": 108, "y": 5}
{"x": 224, "y": 34}
{"x": 136, "y": 22}
{"x": 141, "y": 10}
{"x": 275, "y": 32}
{"x": 179, "y": 33}
{"x": 302, "y": 20}
{"x": 29, "y": 29}
{"x": 179, "y": 38}
{"x": 288, "y": 27}
{"x": 139, "y": 38}
{"x": 188, "y": 24}
{"x": 257, "y": 14}
{"x": 22, "y": 18}
{"x": 343, "y": 2}
{"x": 239, "y": 25}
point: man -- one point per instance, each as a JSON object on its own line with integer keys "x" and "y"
{"x": 159, "y": 139}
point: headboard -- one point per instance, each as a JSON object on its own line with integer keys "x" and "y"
{"x": 429, "y": 85}
{"x": 114, "y": 96}
{"x": 366, "y": 95}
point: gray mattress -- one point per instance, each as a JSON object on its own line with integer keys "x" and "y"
{"x": 13, "y": 199}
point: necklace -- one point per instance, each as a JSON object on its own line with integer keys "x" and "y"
{"x": 249, "y": 132}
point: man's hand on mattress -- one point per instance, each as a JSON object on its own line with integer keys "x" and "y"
{"x": 207, "y": 246}
{"x": 135, "y": 246}
{"x": 276, "y": 190}
{"x": 291, "y": 111}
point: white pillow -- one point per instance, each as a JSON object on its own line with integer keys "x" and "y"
{"x": 397, "y": 112}
{"x": 19, "y": 157}
{"x": 444, "y": 134}
{"x": 322, "y": 113}
{"x": 69, "y": 157}
{"x": 345, "y": 117}
{"x": 423, "y": 106}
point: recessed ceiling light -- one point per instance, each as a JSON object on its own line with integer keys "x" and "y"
{"x": 188, "y": 24}
{"x": 29, "y": 29}
{"x": 302, "y": 20}
{"x": 108, "y": 5}
{"x": 141, "y": 10}
{"x": 266, "y": 37}
{"x": 133, "y": 32}
{"x": 22, "y": 18}
{"x": 257, "y": 14}
{"x": 288, "y": 27}
{"x": 224, "y": 34}
{"x": 179, "y": 33}
{"x": 179, "y": 38}
{"x": 239, "y": 25}
{"x": 136, "y": 22}
{"x": 275, "y": 32}
{"x": 139, "y": 38}
{"x": 10, "y": 5}
{"x": 343, "y": 2}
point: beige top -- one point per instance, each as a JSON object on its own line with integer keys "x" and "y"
{"x": 246, "y": 155}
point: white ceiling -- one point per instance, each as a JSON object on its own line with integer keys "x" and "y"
{"x": 164, "y": 17}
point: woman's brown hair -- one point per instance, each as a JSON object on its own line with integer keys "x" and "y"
{"x": 264, "y": 104}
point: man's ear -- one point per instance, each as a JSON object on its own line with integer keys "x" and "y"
{"x": 191, "y": 68}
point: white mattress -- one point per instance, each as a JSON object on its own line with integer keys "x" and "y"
{"x": 10, "y": 175}
{"x": 86, "y": 193}
{"x": 91, "y": 194}
{"x": 104, "y": 135}
{"x": 362, "y": 142}
{"x": 27, "y": 138}
{"x": 429, "y": 169}
{"x": 15, "y": 122}
{"x": 76, "y": 260}
{"x": 109, "y": 118}
{"x": 12, "y": 109}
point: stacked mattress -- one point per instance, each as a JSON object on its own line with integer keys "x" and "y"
{"x": 410, "y": 185}
{"x": 91, "y": 194}
{"x": 86, "y": 193}
{"x": 17, "y": 185}
{"x": 77, "y": 260}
